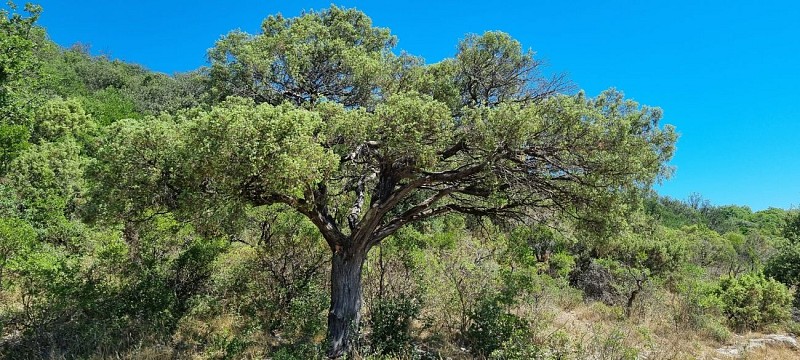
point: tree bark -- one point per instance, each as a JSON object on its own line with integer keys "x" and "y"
{"x": 344, "y": 314}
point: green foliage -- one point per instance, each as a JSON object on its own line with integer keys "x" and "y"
{"x": 101, "y": 293}
{"x": 269, "y": 285}
{"x": 334, "y": 54}
{"x": 50, "y": 280}
{"x": 612, "y": 347}
{"x": 496, "y": 56}
{"x": 58, "y": 119}
{"x": 19, "y": 67}
{"x": 19, "y": 73}
{"x": 771, "y": 222}
{"x": 17, "y": 239}
{"x": 59, "y": 77}
{"x": 560, "y": 346}
{"x": 318, "y": 115}
{"x": 519, "y": 346}
{"x": 619, "y": 269}
{"x": 111, "y": 90}
{"x": 529, "y": 245}
{"x": 784, "y": 266}
{"x": 390, "y": 322}
{"x": 658, "y": 250}
{"x": 751, "y": 301}
{"x": 491, "y": 325}
{"x": 729, "y": 218}
{"x": 697, "y": 307}
{"x": 13, "y": 141}
{"x": 275, "y": 146}
{"x": 751, "y": 251}
{"x": 792, "y": 229}
{"x": 48, "y": 180}
{"x": 709, "y": 248}
{"x": 168, "y": 158}
{"x": 696, "y": 211}
{"x": 671, "y": 212}
{"x": 109, "y": 105}
{"x": 134, "y": 145}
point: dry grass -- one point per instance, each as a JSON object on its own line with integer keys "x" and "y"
{"x": 605, "y": 333}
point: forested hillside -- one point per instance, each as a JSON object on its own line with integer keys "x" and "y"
{"x": 311, "y": 193}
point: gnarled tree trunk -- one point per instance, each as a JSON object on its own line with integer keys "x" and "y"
{"x": 344, "y": 313}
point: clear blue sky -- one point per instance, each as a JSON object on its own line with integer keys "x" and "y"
{"x": 726, "y": 73}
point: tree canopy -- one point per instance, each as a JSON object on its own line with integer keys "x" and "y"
{"x": 321, "y": 116}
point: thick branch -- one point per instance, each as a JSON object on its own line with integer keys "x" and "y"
{"x": 318, "y": 215}
{"x": 453, "y": 150}
{"x": 415, "y": 213}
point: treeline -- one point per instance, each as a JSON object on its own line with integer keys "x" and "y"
{"x": 105, "y": 253}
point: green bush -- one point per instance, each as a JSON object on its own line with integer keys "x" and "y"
{"x": 391, "y": 324}
{"x": 697, "y": 307}
{"x": 751, "y": 301}
{"x": 518, "y": 347}
{"x": 491, "y": 326}
{"x": 785, "y": 267}
{"x": 561, "y": 265}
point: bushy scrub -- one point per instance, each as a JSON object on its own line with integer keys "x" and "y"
{"x": 619, "y": 269}
{"x": 266, "y": 295}
{"x": 519, "y": 346}
{"x": 304, "y": 327}
{"x": 751, "y": 301}
{"x": 17, "y": 238}
{"x": 697, "y": 307}
{"x": 561, "y": 265}
{"x": 491, "y": 326}
{"x": 390, "y": 322}
{"x": 785, "y": 267}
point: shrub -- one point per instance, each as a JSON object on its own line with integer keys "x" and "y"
{"x": 561, "y": 265}
{"x": 751, "y": 301}
{"x": 697, "y": 307}
{"x": 785, "y": 267}
{"x": 491, "y": 326}
{"x": 391, "y": 324}
{"x": 518, "y": 346}
{"x": 556, "y": 346}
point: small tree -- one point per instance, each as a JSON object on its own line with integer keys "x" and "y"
{"x": 362, "y": 142}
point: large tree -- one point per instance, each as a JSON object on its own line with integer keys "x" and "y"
{"x": 321, "y": 116}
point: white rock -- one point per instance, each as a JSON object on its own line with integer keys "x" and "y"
{"x": 736, "y": 351}
{"x": 784, "y": 339}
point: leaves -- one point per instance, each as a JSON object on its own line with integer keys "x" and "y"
{"x": 493, "y": 69}
{"x": 219, "y": 161}
{"x": 334, "y": 55}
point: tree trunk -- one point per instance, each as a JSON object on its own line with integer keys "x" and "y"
{"x": 345, "y": 308}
